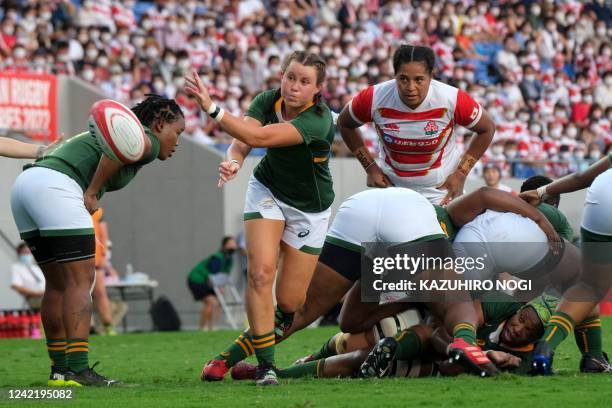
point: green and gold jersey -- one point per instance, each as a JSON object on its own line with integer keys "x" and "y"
{"x": 78, "y": 157}
{"x": 558, "y": 220}
{"x": 297, "y": 175}
{"x": 554, "y": 216}
{"x": 497, "y": 308}
{"x": 446, "y": 223}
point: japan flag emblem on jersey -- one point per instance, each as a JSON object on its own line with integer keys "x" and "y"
{"x": 431, "y": 128}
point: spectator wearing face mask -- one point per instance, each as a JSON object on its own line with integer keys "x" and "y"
{"x": 200, "y": 285}
{"x": 594, "y": 152}
{"x": 26, "y": 277}
{"x": 506, "y": 59}
{"x": 603, "y": 91}
{"x": 252, "y": 70}
{"x": 579, "y": 162}
{"x": 580, "y": 111}
{"x": 530, "y": 86}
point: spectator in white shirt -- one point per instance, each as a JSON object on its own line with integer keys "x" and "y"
{"x": 492, "y": 178}
{"x": 26, "y": 277}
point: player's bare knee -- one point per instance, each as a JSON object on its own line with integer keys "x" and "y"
{"x": 261, "y": 278}
{"x": 289, "y": 303}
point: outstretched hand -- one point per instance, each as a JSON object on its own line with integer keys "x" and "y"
{"x": 196, "y": 88}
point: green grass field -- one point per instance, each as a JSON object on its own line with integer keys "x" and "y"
{"x": 162, "y": 369}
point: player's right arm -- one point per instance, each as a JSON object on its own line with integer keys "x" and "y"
{"x": 571, "y": 182}
{"x": 353, "y": 115}
{"x": 106, "y": 168}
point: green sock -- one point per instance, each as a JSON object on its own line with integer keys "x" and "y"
{"x": 328, "y": 349}
{"x": 309, "y": 369}
{"x": 408, "y": 345}
{"x": 588, "y": 336}
{"x": 240, "y": 349}
{"x": 559, "y": 327}
{"x": 466, "y": 332}
{"x": 57, "y": 353}
{"x": 282, "y": 321}
{"x": 77, "y": 355}
{"x": 264, "y": 348}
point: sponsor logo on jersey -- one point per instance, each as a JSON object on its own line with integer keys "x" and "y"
{"x": 390, "y": 140}
{"x": 303, "y": 234}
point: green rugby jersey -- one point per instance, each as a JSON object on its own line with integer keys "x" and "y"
{"x": 554, "y": 216}
{"x": 557, "y": 220}
{"x": 446, "y": 223}
{"x": 297, "y": 175}
{"x": 78, "y": 158}
{"x": 497, "y": 308}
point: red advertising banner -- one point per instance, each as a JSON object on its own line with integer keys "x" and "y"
{"x": 28, "y": 104}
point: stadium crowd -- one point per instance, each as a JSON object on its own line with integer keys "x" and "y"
{"x": 542, "y": 69}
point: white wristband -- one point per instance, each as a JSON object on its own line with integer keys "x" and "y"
{"x": 541, "y": 191}
{"x": 232, "y": 161}
{"x": 219, "y": 116}
{"x": 211, "y": 108}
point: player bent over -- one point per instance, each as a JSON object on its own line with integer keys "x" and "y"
{"x": 51, "y": 201}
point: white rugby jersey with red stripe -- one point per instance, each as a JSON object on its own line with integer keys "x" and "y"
{"x": 418, "y": 147}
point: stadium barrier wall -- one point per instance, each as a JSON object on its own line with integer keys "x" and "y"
{"x": 173, "y": 215}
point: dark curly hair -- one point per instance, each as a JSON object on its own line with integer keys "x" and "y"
{"x": 157, "y": 108}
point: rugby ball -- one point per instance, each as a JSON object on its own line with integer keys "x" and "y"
{"x": 118, "y": 131}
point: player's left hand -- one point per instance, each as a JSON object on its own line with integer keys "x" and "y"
{"x": 503, "y": 360}
{"x": 532, "y": 197}
{"x": 554, "y": 240}
{"x": 91, "y": 202}
{"x": 51, "y": 146}
{"x": 454, "y": 187}
{"x": 196, "y": 88}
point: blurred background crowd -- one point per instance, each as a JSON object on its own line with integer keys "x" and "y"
{"x": 543, "y": 69}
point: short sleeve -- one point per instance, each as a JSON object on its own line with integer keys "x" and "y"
{"x": 260, "y": 105}
{"x": 16, "y": 278}
{"x": 155, "y": 148}
{"x": 360, "y": 107}
{"x": 467, "y": 111}
{"x": 312, "y": 126}
{"x": 558, "y": 220}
